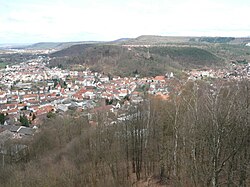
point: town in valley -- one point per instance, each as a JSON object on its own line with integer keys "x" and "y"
{"x": 32, "y": 91}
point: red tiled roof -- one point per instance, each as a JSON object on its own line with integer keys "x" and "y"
{"x": 159, "y": 78}
{"x": 13, "y": 111}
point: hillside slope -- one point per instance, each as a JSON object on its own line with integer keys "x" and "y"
{"x": 124, "y": 60}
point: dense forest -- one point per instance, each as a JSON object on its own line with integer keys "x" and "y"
{"x": 199, "y": 137}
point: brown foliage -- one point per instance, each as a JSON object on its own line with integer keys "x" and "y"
{"x": 198, "y": 138}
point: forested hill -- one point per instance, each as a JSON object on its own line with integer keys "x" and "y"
{"x": 153, "y": 39}
{"x": 125, "y": 60}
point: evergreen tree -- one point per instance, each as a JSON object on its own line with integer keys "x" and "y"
{"x": 24, "y": 120}
{"x": 2, "y": 118}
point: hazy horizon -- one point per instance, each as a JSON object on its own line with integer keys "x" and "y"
{"x": 63, "y": 21}
{"x": 31, "y": 43}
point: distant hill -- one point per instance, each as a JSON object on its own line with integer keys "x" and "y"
{"x": 153, "y": 39}
{"x": 157, "y": 40}
{"x": 56, "y": 45}
{"x": 124, "y": 61}
{"x": 63, "y": 45}
{"x": 44, "y": 45}
{"x": 12, "y": 46}
{"x": 141, "y": 40}
{"x": 121, "y": 40}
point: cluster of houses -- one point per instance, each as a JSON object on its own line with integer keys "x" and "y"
{"x": 33, "y": 90}
{"x": 236, "y": 71}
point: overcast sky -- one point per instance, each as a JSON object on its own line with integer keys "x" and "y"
{"x": 30, "y": 21}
